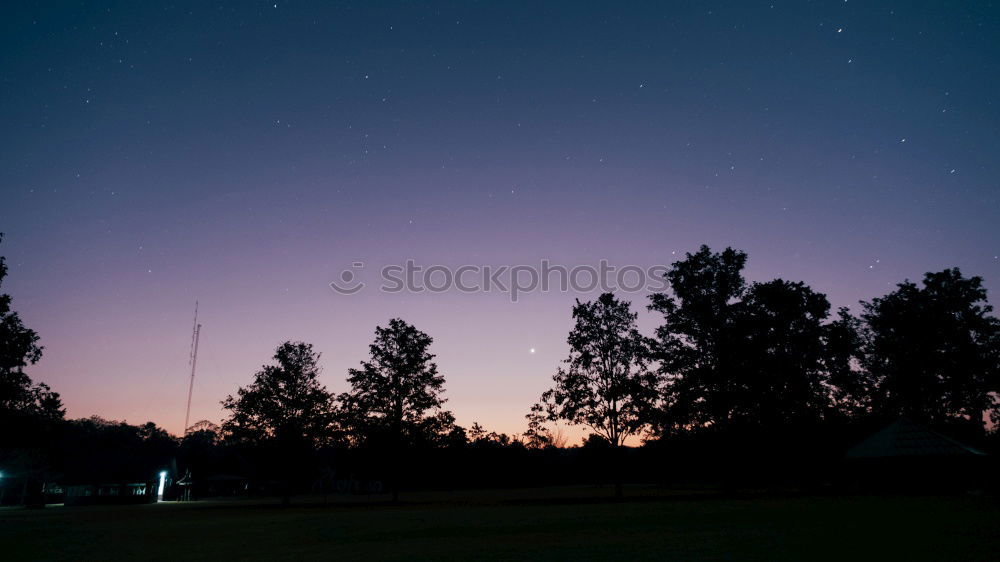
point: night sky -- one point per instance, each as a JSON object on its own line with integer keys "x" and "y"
{"x": 244, "y": 154}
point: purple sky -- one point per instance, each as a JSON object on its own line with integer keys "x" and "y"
{"x": 244, "y": 155}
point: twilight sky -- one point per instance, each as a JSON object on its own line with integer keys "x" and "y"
{"x": 244, "y": 154}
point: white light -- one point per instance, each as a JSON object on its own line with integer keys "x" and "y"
{"x": 532, "y": 350}
{"x": 163, "y": 481}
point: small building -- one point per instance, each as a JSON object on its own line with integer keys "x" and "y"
{"x": 908, "y": 456}
{"x": 125, "y": 487}
{"x": 117, "y": 493}
{"x": 906, "y": 438}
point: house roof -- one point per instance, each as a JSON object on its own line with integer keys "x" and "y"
{"x": 905, "y": 438}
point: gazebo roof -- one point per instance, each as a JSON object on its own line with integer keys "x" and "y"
{"x": 905, "y": 438}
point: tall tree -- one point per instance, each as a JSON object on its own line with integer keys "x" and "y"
{"x": 395, "y": 396}
{"x": 285, "y": 411}
{"x": 851, "y": 387}
{"x": 199, "y": 449}
{"x": 782, "y": 355}
{"x": 698, "y": 345}
{"x": 933, "y": 352}
{"x": 606, "y": 384}
{"x": 286, "y": 403}
{"x": 19, "y": 348}
{"x": 30, "y": 413}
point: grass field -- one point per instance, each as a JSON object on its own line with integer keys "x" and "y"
{"x": 568, "y": 523}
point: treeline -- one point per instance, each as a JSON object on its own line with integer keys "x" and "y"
{"x": 763, "y": 374}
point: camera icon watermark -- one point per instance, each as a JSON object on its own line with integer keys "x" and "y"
{"x": 347, "y": 284}
{"x": 513, "y": 280}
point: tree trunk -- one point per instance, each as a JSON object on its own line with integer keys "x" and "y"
{"x": 616, "y": 469}
{"x": 397, "y": 459}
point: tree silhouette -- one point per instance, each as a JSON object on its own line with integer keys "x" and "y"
{"x": 204, "y": 426}
{"x": 285, "y": 402}
{"x": 851, "y": 387}
{"x": 606, "y": 385}
{"x": 19, "y": 396}
{"x": 199, "y": 448}
{"x": 782, "y": 355}
{"x": 285, "y": 408}
{"x": 30, "y": 413}
{"x": 479, "y": 436}
{"x": 537, "y": 436}
{"x": 100, "y": 450}
{"x": 395, "y": 396}
{"x": 477, "y": 432}
{"x": 933, "y": 352}
{"x": 698, "y": 345}
{"x": 758, "y": 357}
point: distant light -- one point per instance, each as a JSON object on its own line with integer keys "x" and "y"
{"x": 532, "y": 350}
{"x": 163, "y": 482}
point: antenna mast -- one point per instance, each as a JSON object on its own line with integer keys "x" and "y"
{"x": 193, "y": 361}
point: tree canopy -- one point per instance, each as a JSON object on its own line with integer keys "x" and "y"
{"x": 932, "y": 352}
{"x": 396, "y": 395}
{"x": 739, "y": 356}
{"x": 19, "y": 348}
{"x": 606, "y": 384}
{"x": 285, "y": 403}
{"x": 395, "y": 398}
{"x": 782, "y": 355}
{"x": 698, "y": 344}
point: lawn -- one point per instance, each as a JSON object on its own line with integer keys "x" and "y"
{"x": 570, "y": 524}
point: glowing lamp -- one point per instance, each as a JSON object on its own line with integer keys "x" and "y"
{"x": 163, "y": 482}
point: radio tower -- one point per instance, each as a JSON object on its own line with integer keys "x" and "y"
{"x": 193, "y": 360}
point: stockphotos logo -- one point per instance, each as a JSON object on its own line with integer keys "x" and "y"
{"x": 513, "y": 280}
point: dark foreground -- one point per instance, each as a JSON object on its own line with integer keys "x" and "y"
{"x": 568, "y": 524}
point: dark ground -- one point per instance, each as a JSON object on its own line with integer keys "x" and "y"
{"x": 560, "y": 523}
